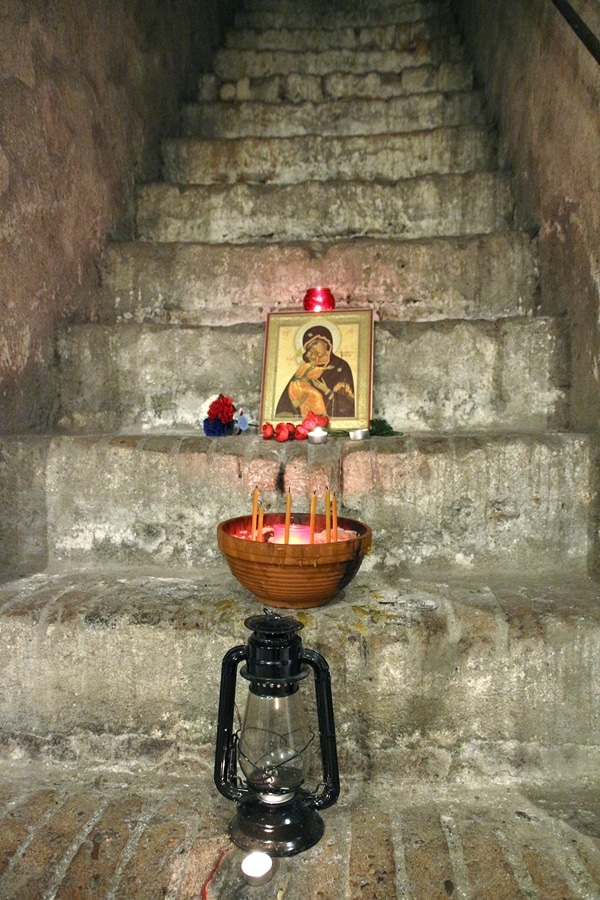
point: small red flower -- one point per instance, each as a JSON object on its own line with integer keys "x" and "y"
{"x": 287, "y": 431}
{"x": 222, "y": 408}
{"x": 310, "y": 421}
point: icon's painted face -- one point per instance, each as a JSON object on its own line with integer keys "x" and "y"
{"x": 319, "y": 353}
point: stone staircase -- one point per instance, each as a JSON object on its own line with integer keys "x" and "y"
{"x": 344, "y": 146}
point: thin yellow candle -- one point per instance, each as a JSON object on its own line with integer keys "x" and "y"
{"x": 254, "y": 512}
{"x": 334, "y": 525}
{"x": 288, "y": 516}
{"x": 261, "y": 515}
{"x": 327, "y": 516}
{"x": 313, "y": 513}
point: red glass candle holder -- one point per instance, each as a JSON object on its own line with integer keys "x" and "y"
{"x": 318, "y": 299}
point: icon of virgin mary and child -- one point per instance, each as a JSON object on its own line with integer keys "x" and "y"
{"x": 323, "y": 382}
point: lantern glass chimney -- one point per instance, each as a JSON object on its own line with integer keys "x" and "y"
{"x": 275, "y": 745}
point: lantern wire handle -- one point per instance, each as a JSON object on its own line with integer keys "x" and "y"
{"x": 331, "y": 775}
{"x": 226, "y": 750}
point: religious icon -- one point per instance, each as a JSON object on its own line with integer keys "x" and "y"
{"x": 321, "y": 363}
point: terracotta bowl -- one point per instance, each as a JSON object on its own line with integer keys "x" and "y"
{"x": 293, "y": 576}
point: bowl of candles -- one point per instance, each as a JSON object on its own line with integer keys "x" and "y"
{"x": 294, "y": 561}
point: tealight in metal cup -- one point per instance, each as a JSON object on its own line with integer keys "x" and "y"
{"x": 359, "y": 434}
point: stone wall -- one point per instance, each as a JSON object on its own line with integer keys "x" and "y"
{"x": 86, "y": 90}
{"x": 543, "y": 88}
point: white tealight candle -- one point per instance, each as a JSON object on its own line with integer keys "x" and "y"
{"x": 257, "y": 868}
{"x": 317, "y": 436}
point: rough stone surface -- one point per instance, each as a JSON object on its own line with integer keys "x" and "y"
{"x": 240, "y": 63}
{"x": 464, "y": 654}
{"x": 483, "y": 277}
{"x": 448, "y": 677}
{"x": 336, "y": 17}
{"x": 510, "y": 374}
{"x": 23, "y": 545}
{"x": 154, "y": 378}
{"x": 467, "y": 497}
{"x": 85, "y": 92}
{"x": 515, "y": 499}
{"x": 342, "y": 85}
{"x": 504, "y": 375}
{"x": 544, "y": 87}
{"x": 339, "y": 117}
{"x": 402, "y": 36}
{"x": 414, "y": 208}
{"x": 138, "y": 837}
{"x": 316, "y": 158}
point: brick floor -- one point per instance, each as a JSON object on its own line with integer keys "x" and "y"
{"x": 75, "y": 834}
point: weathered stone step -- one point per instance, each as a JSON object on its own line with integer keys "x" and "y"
{"x": 231, "y": 64}
{"x": 385, "y": 157}
{"x": 515, "y": 500}
{"x": 442, "y": 677}
{"x": 357, "y": 116}
{"x": 406, "y": 36}
{"x": 342, "y": 6}
{"x": 139, "y": 835}
{"x": 339, "y": 86}
{"x": 474, "y": 203}
{"x": 334, "y": 17}
{"x": 430, "y": 376}
{"x": 482, "y": 277}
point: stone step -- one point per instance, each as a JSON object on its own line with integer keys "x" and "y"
{"x": 511, "y": 500}
{"x": 357, "y": 116}
{"x": 446, "y": 77}
{"x": 343, "y": 6}
{"x": 405, "y": 36}
{"x": 484, "y": 277}
{"x": 382, "y": 157}
{"x": 511, "y": 374}
{"x": 232, "y": 64}
{"x": 142, "y": 836}
{"x": 430, "y": 206}
{"x": 439, "y": 678}
{"x": 304, "y": 16}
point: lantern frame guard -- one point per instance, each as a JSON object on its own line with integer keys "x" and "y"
{"x": 280, "y": 819}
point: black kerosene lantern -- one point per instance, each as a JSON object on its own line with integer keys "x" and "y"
{"x": 276, "y": 813}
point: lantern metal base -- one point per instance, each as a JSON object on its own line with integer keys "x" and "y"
{"x": 278, "y": 829}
